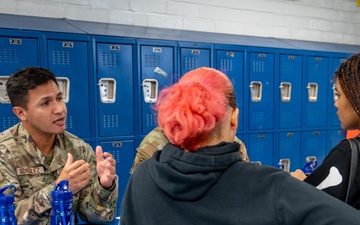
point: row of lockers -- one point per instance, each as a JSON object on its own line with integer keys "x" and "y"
{"x": 285, "y": 96}
{"x": 276, "y": 89}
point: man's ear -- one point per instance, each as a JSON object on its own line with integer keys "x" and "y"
{"x": 20, "y": 113}
{"x": 235, "y": 119}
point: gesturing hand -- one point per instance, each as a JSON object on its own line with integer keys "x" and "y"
{"x": 77, "y": 173}
{"x": 105, "y": 167}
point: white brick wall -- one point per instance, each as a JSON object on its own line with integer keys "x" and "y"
{"x": 335, "y": 21}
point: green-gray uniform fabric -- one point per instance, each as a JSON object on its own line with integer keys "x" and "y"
{"x": 34, "y": 177}
{"x": 156, "y": 140}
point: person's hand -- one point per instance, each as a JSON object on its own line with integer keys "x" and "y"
{"x": 299, "y": 174}
{"x": 105, "y": 167}
{"x": 77, "y": 173}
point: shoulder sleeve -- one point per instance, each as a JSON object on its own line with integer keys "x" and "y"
{"x": 153, "y": 141}
{"x": 242, "y": 150}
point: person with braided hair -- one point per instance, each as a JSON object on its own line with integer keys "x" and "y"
{"x": 332, "y": 176}
{"x": 199, "y": 177}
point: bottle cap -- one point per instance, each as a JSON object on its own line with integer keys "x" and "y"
{"x": 7, "y": 199}
{"x": 61, "y": 191}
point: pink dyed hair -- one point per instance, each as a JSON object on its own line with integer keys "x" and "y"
{"x": 191, "y": 109}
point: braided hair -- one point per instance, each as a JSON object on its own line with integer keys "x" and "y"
{"x": 348, "y": 75}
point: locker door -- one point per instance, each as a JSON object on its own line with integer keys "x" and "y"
{"x": 290, "y": 148}
{"x": 313, "y": 145}
{"x": 290, "y": 91}
{"x": 15, "y": 53}
{"x": 261, "y": 91}
{"x": 192, "y": 58}
{"x": 232, "y": 64}
{"x": 69, "y": 59}
{"x": 157, "y": 72}
{"x": 333, "y": 111}
{"x": 316, "y": 93}
{"x": 115, "y": 89}
{"x": 123, "y": 153}
{"x": 261, "y": 148}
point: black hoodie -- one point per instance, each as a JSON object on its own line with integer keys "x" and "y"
{"x": 214, "y": 186}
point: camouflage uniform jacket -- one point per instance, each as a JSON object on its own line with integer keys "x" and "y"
{"x": 156, "y": 140}
{"x": 23, "y": 165}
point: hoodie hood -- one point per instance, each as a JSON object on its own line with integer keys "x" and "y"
{"x": 189, "y": 175}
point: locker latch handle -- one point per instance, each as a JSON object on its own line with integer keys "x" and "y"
{"x": 150, "y": 89}
{"x": 312, "y": 92}
{"x": 4, "y": 98}
{"x": 107, "y": 87}
{"x": 285, "y": 88}
{"x": 64, "y": 87}
{"x": 256, "y": 91}
{"x": 286, "y": 164}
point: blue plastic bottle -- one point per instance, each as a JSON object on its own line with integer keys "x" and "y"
{"x": 7, "y": 206}
{"x": 61, "y": 202}
{"x": 309, "y": 167}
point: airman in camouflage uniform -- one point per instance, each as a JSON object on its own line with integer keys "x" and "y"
{"x": 34, "y": 176}
{"x": 38, "y": 153}
{"x": 156, "y": 140}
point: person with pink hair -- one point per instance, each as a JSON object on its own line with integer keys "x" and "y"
{"x": 200, "y": 177}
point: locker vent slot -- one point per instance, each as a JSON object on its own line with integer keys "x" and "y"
{"x": 151, "y": 120}
{"x": 191, "y": 63}
{"x": 69, "y": 122}
{"x": 287, "y": 68}
{"x": 226, "y": 65}
{"x": 9, "y": 55}
{"x": 152, "y": 61}
{"x": 109, "y": 59}
{"x": 9, "y": 121}
{"x": 258, "y": 66}
{"x": 258, "y": 117}
{"x": 111, "y": 121}
{"x": 61, "y": 57}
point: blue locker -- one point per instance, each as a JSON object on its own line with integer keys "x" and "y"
{"x": 115, "y": 89}
{"x": 15, "y": 53}
{"x": 69, "y": 59}
{"x": 333, "y": 112}
{"x": 192, "y": 58}
{"x": 157, "y": 69}
{"x": 232, "y": 64}
{"x": 313, "y": 144}
{"x": 261, "y": 148}
{"x": 317, "y": 79}
{"x": 262, "y": 74}
{"x": 290, "y": 148}
{"x": 123, "y": 153}
{"x": 333, "y": 138}
{"x": 290, "y": 91}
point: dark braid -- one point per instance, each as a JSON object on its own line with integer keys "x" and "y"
{"x": 348, "y": 75}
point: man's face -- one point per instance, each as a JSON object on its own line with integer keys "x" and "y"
{"x": 46, "y": 110}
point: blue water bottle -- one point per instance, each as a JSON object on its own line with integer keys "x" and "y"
{"x": 61, "y": 202}
{"x": 309, "y": 167}
{"x": 7, "y": 206}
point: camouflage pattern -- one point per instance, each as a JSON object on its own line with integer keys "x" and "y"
{"x": 156, "y": 140}
{"x": 24, "y": 166}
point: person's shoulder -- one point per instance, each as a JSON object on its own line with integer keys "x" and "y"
{"x": 9, "y": 135}
{"x": 155, "y": 140}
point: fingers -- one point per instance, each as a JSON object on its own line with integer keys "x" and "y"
{"x": 69, "y": 160}
{"x": 99, "y": 154}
